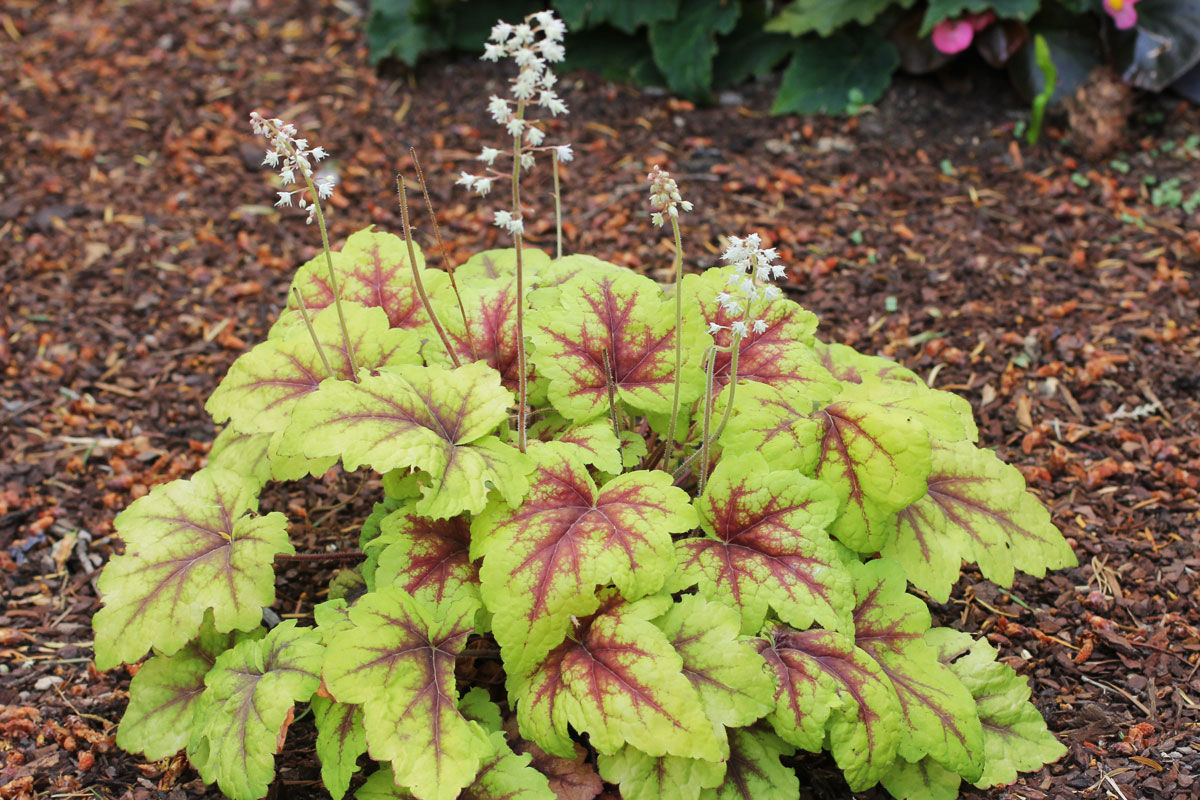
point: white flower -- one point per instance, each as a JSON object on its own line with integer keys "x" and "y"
{"x": 523, "y": 33}
{"x": 738, "y": 327}
{"x": 504, "y": 219}
{"x": 515, "y": 126}
{"x": 554, "y": 28}
{"x": 534, "y": 136}
{"x": 527, "y": 161}
{"x": 466, "y": 179}
{"x": 664, "y": 196}
{"x": 498, "y": 108}
{"x": 564, "y": 152}
{"x": 492, "y": 52}
{"x": 723, "y": 298}
{"x": 488, "y": 155}
{"x": 527, "y": 59}
{"x": 501, "y": 31}
{"x": 778, "y": 271}
{"x": 285, "y": 199}
{"x": 714, "y": 327}
{"x": 325, "y": 188}
{"x": 772, "y": 293}
{"x": 553, "y": 51}
{"x": 271, "y": 159}
{"x": 549, "y": 101}
{"x": 288, "y": 175}
{"x": 483, "y": 185}
{"x": 760, "y": 326}
{"x": 319, "y": 153}
{"x": 657, "y": 219}
{"x": 300, "y": 144}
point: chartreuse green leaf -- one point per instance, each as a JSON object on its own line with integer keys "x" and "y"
{"x": 766, "y": 546}
{"x": 426, "y": 418}
{"x": 805, "y": 16}
{"x": 938, "y": 716}
{"x": 341, "y": 739}
{"x": 776, "y": 423}
{"x": 876, "y": 460}
{"x": 543, "y": 560}
{"x": 825, "y": 685}
{"x": 190, "y": 545}
{"x": 619, "y": 680}
{"x": 781, "y": 356}
{"x": 548, "y": 285}
{"x": 595, "y": 442}
{"x": 850, "y": 366}
{"x": 645, "y": 777}
{"x": 1015, "y": 737}
{"x": 426, "y": 558}
{"x": 924, "y": 780}
{"x": 944, "y": 416}
{"x": 165, "y": 692}
{"x": 502, "y": 776}
{"x": 487, "y": 266}
{"x": 477, "y": 704}
{"x": 262, "y": 388}
{"x": 489, "y": 332}
{"x": 753, "y": 770}
{"x": 398, "y": 663}
{"x": 735, "y": 690}
{"x": 372, "y": 269}
{"x": 243, "y": 453}
{"x": 245, "y": 710}
{"x": 975, "y": 508}
{"x": 625, "y": 319}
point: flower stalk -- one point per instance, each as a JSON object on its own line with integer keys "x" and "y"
{"x": 420, "y": 284}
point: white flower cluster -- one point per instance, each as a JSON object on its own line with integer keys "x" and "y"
{"x": 664, "y": 196}
{"x": 750, "y": 283}
{"x": 533, "y": 44}
{"x": 294, "y": 160}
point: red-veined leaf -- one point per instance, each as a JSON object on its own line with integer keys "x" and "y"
{"x": 426, "y": 558}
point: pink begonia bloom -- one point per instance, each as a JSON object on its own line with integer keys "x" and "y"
{"x": 955, "y": 35}
{"x": 1122, "y": 12}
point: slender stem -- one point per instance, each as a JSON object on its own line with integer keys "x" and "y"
{"x": 678, "y": 344}
{"x": 733, "y": 367}
{"x": 522, "y": 388}
{"x": 709, "y": 369}
{"x": 437, "y": 233}
{"x": 612, "y": 393}
{"x": 333, "y": 284}
{"x": 557, "y": 206}
{"x": 313, "y": 332}
{"x": 708, "y": 439}
{"x": 348, "y": 555}
{"x": 412, "y": 260}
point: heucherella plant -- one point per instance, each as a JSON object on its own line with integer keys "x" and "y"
{"x": 698, "y": 538}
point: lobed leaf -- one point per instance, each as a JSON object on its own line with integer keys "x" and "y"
{"x": 618, "y": 680}
{"x": 924, "y": 780}
{"x": 781, "y": 356}
{"x": 876, "y": 460}
{"x": 341, "y": 739}
{"x": 262, "y": 388}
{"x": 426, "y": 558}
{"x": 975, "y": 508}
{"x": 776, "y": 423}
{"x": 766, "y": 546}
{"x": 827, "y": 685}
{"x": 190, "y": 546}
{"x": 397, "y": 661}
{"x": 243, "y": 453}
{"x": 544, "y": 559}
{"x": 166, "y": 690}
{"x": 753, "y": 770}
{"x": 850, "y": 366}
{"x": 645, "y": 777}
{"x": 594, "y": 442}
{"x": 426, "y": 418}
{"x": 489, "y": 332}
{"x": 625, "y": 318}
{"x": 487, "y": 266}
{"x": 373, "y": 270}
{"x": 944, "y": 416}
{"x": 1015, "y": 737}
{"x": 938, "y": 716}
{"x": 246, "y": 708}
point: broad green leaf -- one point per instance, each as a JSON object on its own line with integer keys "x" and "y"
{"x": 489, "y": 333}
{"x": 544, "y": 559}
{"x": 684, "y": 45}
{"x": 395, "y": 29}
{"x": 1015, "y": 737}
{"x": 502, "y": 776}
{"x": 294, "y": 466}
{"x": 975, "y": 508}
{"x": 618, "y": 680}
{"x": 753, "y": 771}
{"x": 625, "y": 318}
{"x": 165, "y": 692}
{"x": 595, "y": 442}
{"x": 924, "y": 780}
{"x": 781, "y": 356}
{"x": 398, "y": 663}
{"x": 190, "y": 545}
{"x": 245, "y": 710}
{"x": 938, "y": 715}
{"x": 262, "y": 388}
{"x": 939, "y": 10}
{"x": 827, "y": 685}
{"x": 477, "y": 704}
{"x": 426, "y": 558}
{"x": 332, "y": 617}
{"x": 836, "y": 74}
{"x": 548, "y": 286}
{"x": 341, "y": 739}
{"x": 243, "y": 453}
{"x": 621, "y": 14}
{"x": 805, "y": 16}
{"x": 778, "y": 424}
{"x": 646, "y": 777}
{"x": 766, "y": 546}
{"x": 850, "y": 366}
{"x": 572, "y": 778}
{"x": 372, "y": 269}
{"x": 487, "y": 266}
{"x": 729, "y": 674}
{"x": 944, "y": 416}
{"x": 876, "y": 460}
{"x": 426, "y": 418}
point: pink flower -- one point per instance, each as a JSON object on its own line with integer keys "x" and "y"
{"x": 1122, "y": 12}
{"x": 955, "y": 35}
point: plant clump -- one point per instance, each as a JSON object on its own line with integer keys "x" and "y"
{"x": 697, "y": 536}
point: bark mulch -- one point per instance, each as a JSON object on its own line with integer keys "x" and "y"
{"x": 141, "y": 255}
